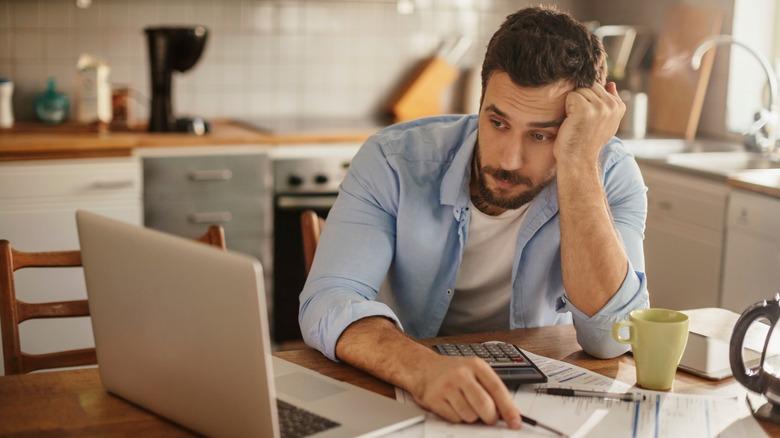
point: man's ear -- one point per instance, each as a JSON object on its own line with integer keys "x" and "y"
{"x": 602, "y": 69}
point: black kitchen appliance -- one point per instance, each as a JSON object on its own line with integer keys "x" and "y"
{"x": 305, "y": 178}
{"x": 765, "y": 378}
{"x": 173, "y": 49}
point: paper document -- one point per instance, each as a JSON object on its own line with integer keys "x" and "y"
{"x": 660, "y": 415}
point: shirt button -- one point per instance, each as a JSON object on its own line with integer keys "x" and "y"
{"x": 449, "y": 291}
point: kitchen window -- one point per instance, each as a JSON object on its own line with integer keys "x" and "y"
{"x": 757, "y": 24}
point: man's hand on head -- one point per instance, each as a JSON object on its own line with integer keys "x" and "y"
{"x": 461, "y": 389}
{"x": 592, "y": 118}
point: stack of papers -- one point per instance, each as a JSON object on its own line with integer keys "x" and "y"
{"x": 661, "y": 414}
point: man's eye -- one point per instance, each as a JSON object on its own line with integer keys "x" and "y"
{"x": 539, "y": 136}
{"x": 497, "y": 123}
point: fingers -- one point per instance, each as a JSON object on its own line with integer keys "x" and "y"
{"x": 575, "y": 101}
{"x": 462, "y": 407}
{"x": 445, "y": 410}
{"x": 480, "y": 401}
{"x": 590, "y": 94}
{"x": 612, "y": 89}
{"x": 500, "y": 395}
{"x": 467, "y": 390}
{"x": 602, "y": 100}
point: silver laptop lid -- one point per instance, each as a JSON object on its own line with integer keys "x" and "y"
{"x": 180, "y": 327}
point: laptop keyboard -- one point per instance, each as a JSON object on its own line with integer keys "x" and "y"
{"x": 295, "y": 422}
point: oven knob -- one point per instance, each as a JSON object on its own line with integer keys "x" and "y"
{"x": 294, "y": 181}
{"x": 321, "y": 179}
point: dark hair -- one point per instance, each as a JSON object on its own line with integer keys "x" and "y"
{"x": 542, "y": 45}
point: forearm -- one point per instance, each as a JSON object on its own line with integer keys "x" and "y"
{"x": 593, "y": 260}
{"x": 377, "y": 346}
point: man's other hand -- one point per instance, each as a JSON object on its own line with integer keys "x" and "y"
{"x": 465, "y": 389}
{"x": 592, "y": 118}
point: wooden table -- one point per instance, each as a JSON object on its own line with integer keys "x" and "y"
{"x": 75, "y": 403}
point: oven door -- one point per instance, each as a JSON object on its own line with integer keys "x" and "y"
{"x": 289, "y": 271}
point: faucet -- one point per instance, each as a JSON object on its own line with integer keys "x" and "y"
{"x": 761, "y": 134}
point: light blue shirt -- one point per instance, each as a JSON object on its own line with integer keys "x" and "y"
{"x": 403, "y": 213}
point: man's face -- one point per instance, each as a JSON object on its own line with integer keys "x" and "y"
{"x": 517, "y": 129}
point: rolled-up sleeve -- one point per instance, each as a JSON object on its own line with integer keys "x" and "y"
{"x": 354, "y": 252}
{"x": 627, "y": 199}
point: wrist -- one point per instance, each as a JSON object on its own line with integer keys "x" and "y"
{"x": 417, "y": 373}
{"x": 578, "y": 168}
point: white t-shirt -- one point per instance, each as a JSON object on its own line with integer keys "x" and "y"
{"x": 483, "y": 287}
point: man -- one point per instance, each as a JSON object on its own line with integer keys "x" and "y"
{"x": 528, "y": 214}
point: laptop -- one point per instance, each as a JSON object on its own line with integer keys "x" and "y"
{"x": 181, "y": 329}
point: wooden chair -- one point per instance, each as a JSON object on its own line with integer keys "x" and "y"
{"x": 311, "y": 228}
{"x": 13, "y": 311}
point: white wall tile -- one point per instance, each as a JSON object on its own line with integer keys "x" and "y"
{"x": 229, "y": 15}
{"x": 88, "y": 18}
{"x": 93, "y": 42}
{"x": 204, "y": 12}
{"x": 58, "y": 45}
{"x": 142, "y": 13}
{"x": 289, "y": 17}
{"x": 25, "y": 14}
{"x": 118, "y": 45}
{"x": 5, "y": 49}
{"x": 27, "y": 45}
{"x": 57, "y": 14}
{"x": 175, "y": 12}
{"x": 258, "y": 17}
{"x": 5, "y": 14}
{"x": 116, "y": 15}
{"x": 263, "y": 58}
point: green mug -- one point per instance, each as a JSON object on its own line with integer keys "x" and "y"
{"x": 657, "y": 338}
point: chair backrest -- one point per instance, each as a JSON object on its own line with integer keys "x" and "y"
{"x": 311, "y": 228}
{"x": 13, "y": 311}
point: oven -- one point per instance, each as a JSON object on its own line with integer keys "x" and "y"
{"x": 305, "y": 178}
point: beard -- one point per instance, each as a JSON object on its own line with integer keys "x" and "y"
{"x": 510, "y": 202}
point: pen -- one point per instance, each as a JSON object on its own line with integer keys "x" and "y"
{"x": 627, "y": 396}
{"x": 535, "y": 423}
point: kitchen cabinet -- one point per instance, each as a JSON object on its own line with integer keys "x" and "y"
{"x": 38, "y": 201}
{"x": 752, "y": 250}
{"x": 684, "y": 238}
{"x": 188, "y": 189}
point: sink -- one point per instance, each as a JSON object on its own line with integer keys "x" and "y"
{"x": 722, "y": 163}
{"x": 660, "y": 148}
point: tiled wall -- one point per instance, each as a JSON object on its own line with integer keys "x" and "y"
{"x": 263, "y": 59}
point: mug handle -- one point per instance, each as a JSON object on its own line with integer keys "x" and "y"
{"x": 616, "y": 332}
{"x": 750, "y": 379}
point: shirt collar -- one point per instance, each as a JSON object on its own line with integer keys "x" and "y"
{"x": 454, "y": 188}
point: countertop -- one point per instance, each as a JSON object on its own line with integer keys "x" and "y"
{"x": 671, "y": 154}
{"x": 764, "y": 181}
{"x": 658, "y": 152}
{"x": 30, "y": 141}
{"x": 33, "y": 141}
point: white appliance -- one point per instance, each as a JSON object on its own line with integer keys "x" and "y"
{"x": 6, "y": 110}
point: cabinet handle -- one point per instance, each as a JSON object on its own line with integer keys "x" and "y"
{"x": 210, "y": 217}
{"x": 116, "y": 184}
{"x": 211, "y": 175}
{"x": 743, "y": 217}
{"x": 665, "y": 205}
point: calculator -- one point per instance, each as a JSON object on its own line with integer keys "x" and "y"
{"x": 508, "y": 361}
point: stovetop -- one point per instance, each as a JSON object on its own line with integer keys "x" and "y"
{"x": 283, "y": 126}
